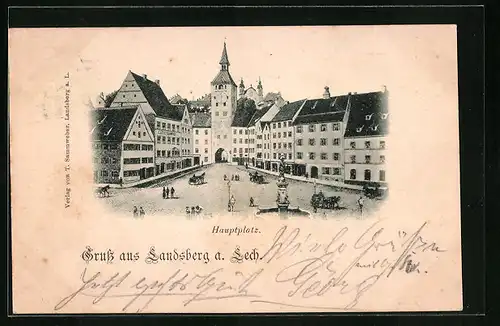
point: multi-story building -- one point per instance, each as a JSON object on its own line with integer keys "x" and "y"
{"x": 122, "y": 144}
{"x": 223, "y": 106}
{"x": 319, "y": 128}
{"x": 282, "y": 136}
{"x": 171, "y": 124}
{"x": 202, "y": 137}
{"x": 365, "y": 139}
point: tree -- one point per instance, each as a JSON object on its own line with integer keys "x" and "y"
{"x": 108, "y": 99}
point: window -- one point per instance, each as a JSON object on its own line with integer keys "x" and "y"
{"x": 325, "y": 170}
{"x": 163, "y": 125}
{"x": 289, "y": 134}
{"x": 367, "y": 145}
{"x": 144, "y": 160}
{"x": 133, "y": 133}
{"x": 279, "y": 124}
{"x": 368, "y": 175}
{"x": 225, "y": 136}
{"x": 163, "y": 153}
{"x": 132, "y": 160}
{"x": 312, "y": 141}
{"x": 240, "y": 150}
{"x": 241, "y": 141}
{"x": 104, "y": 146}
{"x": 196, "y": 141}
{"x": 353, "y": 145}
{"x": 158, "y": 139}
{"x": 224, "y": 113}
{"x": 168, "y": 126}
{"x": 336, "y": 156}
{"x": 169, "y": 140}
{"x": 382, "y": 144}
{"x": 274, "y": 145}
{"x": 164, "y": 140}
{"x": 323, "y": 142}
{"x": 299, "y": 155}
{"x": 274, "y": 135}
{"x": 367, "y": 158}
{"x": 290, "y": 145}
{"x": 279, "y": 145}
{"x": 382, "y": 158}
{"x": 312, "y": 128}
{"x": 218, "y": 136}
{"x": 336, "y": 126}
{"x": 178, "y": 128}
{"x": 206, "y": 150}
{"x": 284, "y": 134}
{"x": 336, "y": 141}
{"x": 158, "y": 124}
{"x": 196, "y": 150}
{"x": 381, "y": 175}
{"x": 323, "y": 127}
{"x": 240, "y": 131}
{"x": 274, "y": 126}
{"x": 289, "y": 156}
{"x": 115, "y": 174}
{"x": 368, "y": 117}
{"x": 299, "y": 129}
{"x": 158, "y": 153}
{"x": 312, "y": 156}
{"x": 216, "y": 104}
{"x": 353, "y": 158}
{"x": 196, "y": 132}
{"x": 206, "y": 132}
{"x": 224, "y": 105}
{"x": 299, "y": 142}
{"x": 336, "y": 171}
{"x": 279, "y": 134}
{"x": 216, "y": 113}
{"x": 138, "y": 134}
{"x": 324, "y": 156}
{"x": 234, "y": 140}
{"x": 352, "y": 174}
{"x": 144, "y": 133}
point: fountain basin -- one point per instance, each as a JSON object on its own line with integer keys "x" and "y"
{"x": 288, "y": 212}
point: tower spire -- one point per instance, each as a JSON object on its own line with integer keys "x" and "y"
{"x": 224, "y": 61}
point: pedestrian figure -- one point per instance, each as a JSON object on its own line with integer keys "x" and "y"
{"x": 164, "y": 193}
{"x": 360, "y": 204}
{"x": 136, "y": 213}
{"x": 198, "y": 209}
{"x": 188, "y": 210}
{"x": 192, "y": 210}
{"x": 172, "y": 191}
{"x": 251, "y": 202}
{"x": 232, "y": 201}
{"x": 121, "y": 182}
{"x": 167, "y": 192}
{"x": 141, "y": 212}
{"x": 232, "y": 177}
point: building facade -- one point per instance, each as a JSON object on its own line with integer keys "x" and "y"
{"x": 202, "y": 138}
{"x": 365, "y": 139}
{"x": 122, "y": 144}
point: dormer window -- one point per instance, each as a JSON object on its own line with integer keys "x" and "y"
{"x": 368, "y": 117}
{"x": 100, "y": 122}
{"x": 359, "y": 129}
{"x": 92, "y": 130}
{"x": 314, "y": 106}
{"x": 384, "y": 115}
{"x": 107, "y": 133}
{"x": 374, "y": 128}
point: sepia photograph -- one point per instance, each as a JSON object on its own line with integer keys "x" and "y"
{"x": 235, "y": 169}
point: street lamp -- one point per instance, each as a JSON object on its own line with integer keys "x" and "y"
{"x": 229, "y": 195}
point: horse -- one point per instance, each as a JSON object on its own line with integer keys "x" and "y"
{"x": 197, "y": 180}
{"x": 103, "y": 191}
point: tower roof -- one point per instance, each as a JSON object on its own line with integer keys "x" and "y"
{"x": 224, "y": 60}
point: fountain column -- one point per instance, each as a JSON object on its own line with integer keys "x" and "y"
{"x": 282, "y": 200}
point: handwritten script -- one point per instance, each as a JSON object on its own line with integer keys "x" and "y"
{"x": 303, "y": 272}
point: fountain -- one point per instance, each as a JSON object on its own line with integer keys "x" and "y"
{"x": 282, "y": 202}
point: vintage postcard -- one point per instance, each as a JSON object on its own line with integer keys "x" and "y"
{"x": 235, "y": 169}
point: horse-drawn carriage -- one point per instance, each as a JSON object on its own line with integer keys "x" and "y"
{"x": 319, "y": 200}
{"x": 102, "y": 191}
{"x": 256, "y": 177}
{"x": 197, "y": 179}
{"x": 373, "y": 191}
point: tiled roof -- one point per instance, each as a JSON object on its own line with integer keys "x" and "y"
{"x": 323, "y": 110}
{"x": 156, "y": 98}
{"x": 223, "y": 77}
{"x": 151, "y": 119}
{"x": 258, "y": 114}
{"x": 368, "y": 115}
{"x": 111, "y": 124}
{"x": 245, "y": 109}
{"x": 224, "y": 59}
{"x": 201, "y": 120}
{"x": 288, "y": 111}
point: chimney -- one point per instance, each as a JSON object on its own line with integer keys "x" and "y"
{"x": 144, "y": 76}
{"x": 326, "y": 94}
{"x": 157, "y": 81}
{"x": 384, "y": 88}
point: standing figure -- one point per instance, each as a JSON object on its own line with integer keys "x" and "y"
{"x": 167, "y": 192}
{"x": 164, "y": 193}
{"x": 172, "y": 191}
{"x": 360, "y": 204}
{"x": 136, "y": 212}
{"x": 121, "y": 182}
{"x": 141, "y": 212}
{"x": 251, "y": 202}
{"x": 232, "y": 201}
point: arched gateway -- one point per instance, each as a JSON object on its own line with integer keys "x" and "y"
{"x": 221, "y": 156}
